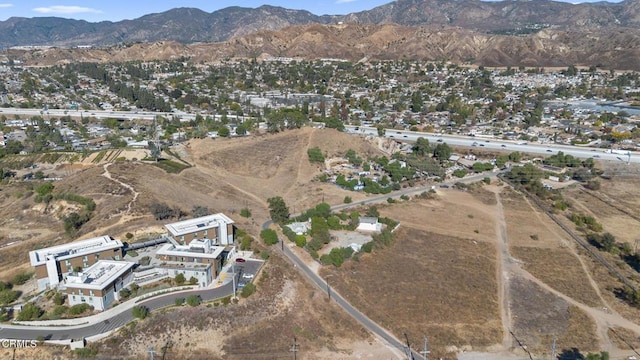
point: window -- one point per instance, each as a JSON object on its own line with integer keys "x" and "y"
{"x": 83, "y": 299}
{"x": 85, "y": 258}
{"x": 90, "y": 292}
{"x": 67, "y": 263}
{"x": 97, "y": 256}
{"x": 73, "y": 297}
{"x": 206, "y": 233}
{"x": 117, "y": 257}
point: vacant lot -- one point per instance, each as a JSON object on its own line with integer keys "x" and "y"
{"x": 426, "y": 282}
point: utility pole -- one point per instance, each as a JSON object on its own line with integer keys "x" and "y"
{"x": 166, "y": 347}
{"x": 425, "y": 352}
{"x": 151, "y": 353}
{"x": 409, "y": 354}
{"x": 553, "y": 348}
{"x": 294, "y": 348}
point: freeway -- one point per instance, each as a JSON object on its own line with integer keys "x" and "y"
{"x": 501, "y": 145}
{"x": 116, "y": 317}
{"x": 98, "y": 114}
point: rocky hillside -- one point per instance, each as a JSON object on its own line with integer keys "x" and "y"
{"x": 189, "y": 25}
{"x": 607, "y": 48}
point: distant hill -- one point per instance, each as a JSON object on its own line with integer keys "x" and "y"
{"x": 189, "y": 25}
{"x": 608, "y": 48}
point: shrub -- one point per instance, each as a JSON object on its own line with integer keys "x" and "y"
{"x": 194, "y": 300}
{"x": 79, "y": 309}
{"x": 140, "y": 311}
{"x": 247, "y": 290}
{"x": 348, "y": 200}
{"x": 7, "y": 296}
{"x": 124, "y": 294}
{"x": 315, "y": 155}
{"x": 30, "y": 311}
{"x": 132, "y": 253}
{"x": 58, "y": 298}
{"x": 180, "y": 279}
{"x": 179, "y": 301}
{"x": 193, "y": 280}
{"x": 22, "y": 277}
{"x": 245, "y": 212}
{"x": 269, "y": 236}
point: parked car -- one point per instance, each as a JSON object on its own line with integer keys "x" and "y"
{"x": 240, "y": 260}
{"x": 247, "y": 276}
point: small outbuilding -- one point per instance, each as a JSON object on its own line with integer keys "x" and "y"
{"x": 368, "y": 224}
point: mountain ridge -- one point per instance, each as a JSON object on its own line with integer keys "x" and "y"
{"x": 191, "y": 25}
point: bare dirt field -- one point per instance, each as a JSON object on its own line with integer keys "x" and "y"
{"x": 426, "y": 282}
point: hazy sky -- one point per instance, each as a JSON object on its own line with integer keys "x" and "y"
{"x": 116, "y": 10}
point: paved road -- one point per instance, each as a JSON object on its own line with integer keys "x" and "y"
{"x": 502, "y": 145}
{"x": 119, "y": 318}
{"x": 369, "y": 324}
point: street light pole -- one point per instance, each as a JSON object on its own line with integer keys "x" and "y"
{"x": 326, "y": 279}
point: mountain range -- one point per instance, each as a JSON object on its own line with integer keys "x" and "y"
{"x": 190, "y": 25}
{"x": 508, "y": 33}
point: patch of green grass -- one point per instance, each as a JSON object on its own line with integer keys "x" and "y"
{"x": 169, "y": 166}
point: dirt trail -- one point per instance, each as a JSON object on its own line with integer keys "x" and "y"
{"x": 503, "y": 269}
{"x": 107, "y": 174}
{"x": 509, "y": 267}
{"x": 571, "y": 247}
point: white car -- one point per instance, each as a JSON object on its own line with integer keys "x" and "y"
{"x": 247, "y": 276}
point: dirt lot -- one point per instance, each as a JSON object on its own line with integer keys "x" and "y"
{"x": 427, "y": 280}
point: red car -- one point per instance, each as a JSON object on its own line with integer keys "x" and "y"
{"x": 240, "y": 260}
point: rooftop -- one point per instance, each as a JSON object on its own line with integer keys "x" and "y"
{"x": 99, "y": 275}
{"x": 74, "y": 249}
{"x": 202, "y": 223}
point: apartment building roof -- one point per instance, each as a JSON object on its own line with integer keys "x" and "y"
{"x": 99, "y": 275}
{"x": 202, "y": 223}
{"x": 74, "y": 249}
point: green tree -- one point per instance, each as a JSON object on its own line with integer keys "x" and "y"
{"x": 381, "y": 130}
{"x": 194, "y": 300}
{"x": 180, "y": 279}
{"x": 421, "y": 147}
{"x": 193, "y": 281}
{"x": 278, "y": 209}
{"x": 269, "y": 236}
{"x": 442, "y": 152}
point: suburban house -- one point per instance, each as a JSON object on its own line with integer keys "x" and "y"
{"x": 199, "y": 259}
{"x": 218, "y": 228}
{"x": 53, "y": 263}
{"x": 299, "y": 228}
{"x": 99, "y": 284}
{"x": 368, "y": 224}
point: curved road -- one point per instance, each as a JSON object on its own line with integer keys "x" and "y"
{"x": 122, "y": 315}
